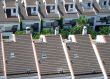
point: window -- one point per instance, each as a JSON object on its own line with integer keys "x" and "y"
{"x": 34, "y": 8}
{"x": 71, "y": 6}
{"x": 14, "y": 10}
{"x": 12, "y": 55}
{"x": 76, "y": 56}
{"x": 105, "y": 2}
{"x": 5, "y": 37}
{"x": 44, "y": 55}
{"x": 52, "y": 7}
{"x": 89, "y": 4}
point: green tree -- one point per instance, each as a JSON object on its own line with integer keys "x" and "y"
{"x": 105, "y": 30}
{"x": 81, "y": 21}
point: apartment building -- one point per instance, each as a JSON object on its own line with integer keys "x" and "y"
{"x": 9, "y": 17}
{"x": 30, "y": 17}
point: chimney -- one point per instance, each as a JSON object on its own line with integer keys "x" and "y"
{"x": 84, "y": 31}
{"x": 56, "y": 30}
{"x": 28, "y": 30}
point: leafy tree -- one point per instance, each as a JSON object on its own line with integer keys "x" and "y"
{"x": 105, "y": 30}
{"x": 46, "y": 31}
{"x": 64, "y": 33}
{"x": 76, "y": 30}
{"x": 82, "y": 21}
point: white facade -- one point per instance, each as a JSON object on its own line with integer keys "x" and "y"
{"x": 29, "y": 23}
{"x": 8, "y": 26}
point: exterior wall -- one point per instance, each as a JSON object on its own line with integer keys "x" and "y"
{"x": 33, "y": 77}
{"x": 65, "y": 77}
{"x": 2, "y": 77}
{"x": 45, "y": 23}
{"x": 30, "y": 23}
{"x": 97, "y": 18}
{"x": 8, "y": 26}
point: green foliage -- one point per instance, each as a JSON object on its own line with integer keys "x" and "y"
{"x": 64, "y": 33}
{"x": 92, "y": 32}
{"x": 105, "y": 30}
{"x": 36, "y": 35}
{"x": 82, "y": 21}
{"x": 20, "y": 33}
{"x": 46, "y": 31}
{"x": 76, "y": 30}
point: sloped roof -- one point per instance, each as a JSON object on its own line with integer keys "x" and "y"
{"x": 31, "y": 2}
{"x": 10, "y": 3}
{"x": 104, "y": 51}
{"x": 23, "y": 62}
{"x": 55, "y": 64}
{"x": 83, "y": 58}
{"x": 50, "y": 1}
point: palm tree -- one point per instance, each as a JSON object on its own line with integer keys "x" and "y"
{"x": 82, "y": 21}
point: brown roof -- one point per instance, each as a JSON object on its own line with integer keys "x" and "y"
{"x": 82, "y": 56}
{"x": 55, "y": 62}
{"x": 23, "y": 62}
{"x": 50, "y": 1}
{"x": 104, "y": 51}
{"x": 10, "y": 3}
{"x": 1, "y": 59}
{"x": 68, "y": 1}
{"x": 31, "y": 2}
{"x": 24, "y": 16}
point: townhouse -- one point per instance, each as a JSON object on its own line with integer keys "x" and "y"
{"x": 68, "y": 12}
{"x": 85, "y": 7}
{"x": 102, "y": 8}
{"x": 9, "y": 17}
{"x": 104, "y": 53}
{"x": 30, "y": 17}
{"x": 83, "y": 59}
{"x": 49, "y": 13}
{"x": 51, "y": 57}
{"x": 19, "y": 61}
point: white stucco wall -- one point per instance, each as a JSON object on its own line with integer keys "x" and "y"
{"x": 9, "y": 26}
{"x": 29, "y": 23}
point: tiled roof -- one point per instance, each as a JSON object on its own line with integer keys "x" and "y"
{"x": 82, "y": 56}
{"x": 1, "y": 59}
{"x": 31, "y": 2}
{"x": 24, "y": 16}
{"x": 20, "y": 57}
{"x": 50, "y": 1}
{"x": 104, "y": 51}
{"x": 68, "y": 1}
{"x": 55, "y": 63}
{"x": 10, "y": 3}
